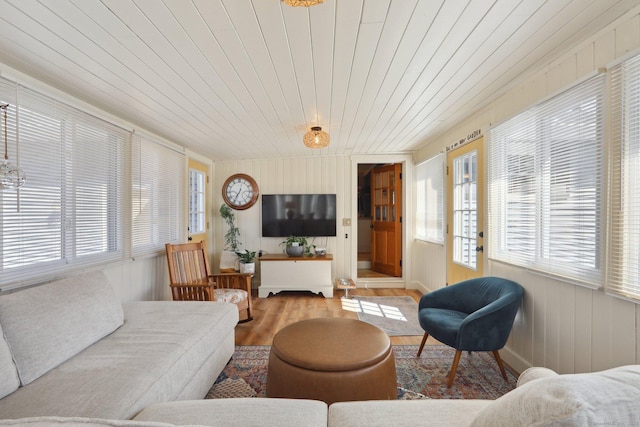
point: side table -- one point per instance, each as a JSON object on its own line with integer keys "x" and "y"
{"x": 345, "y": 284}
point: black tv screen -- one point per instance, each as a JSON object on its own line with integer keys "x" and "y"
{"x": 306, "y": 215}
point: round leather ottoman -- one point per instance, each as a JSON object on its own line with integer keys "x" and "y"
{"x": 333, "y": 360}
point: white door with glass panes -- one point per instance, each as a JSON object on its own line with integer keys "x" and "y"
{"x": 465, "y": 222}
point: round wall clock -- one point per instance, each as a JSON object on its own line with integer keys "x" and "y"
{"x": 240, "y": 191}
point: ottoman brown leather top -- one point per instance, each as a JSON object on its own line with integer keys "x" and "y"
{"x": 331, "y": 344}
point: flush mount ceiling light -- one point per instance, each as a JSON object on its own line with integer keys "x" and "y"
{"x": 11, "y": 177}
{"x": 316, "y": 138}
{"x": 305, "y": 3}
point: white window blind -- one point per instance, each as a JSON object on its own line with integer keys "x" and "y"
{"x": 429, "y": 201}
{"x": 546, "y": 186}
{"x": 157, "y": 191}
{"x": 68, "y": 213}
{"x": 624, "y": 258}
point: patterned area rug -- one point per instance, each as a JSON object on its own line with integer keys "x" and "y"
{"x": 397, "y": 316}
{"x": 477, "y": 377}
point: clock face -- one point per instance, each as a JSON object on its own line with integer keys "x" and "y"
{"x": 240, "y": 191}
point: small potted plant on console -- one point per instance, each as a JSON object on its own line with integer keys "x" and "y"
{"x": 296, "y": 246}
{"x": 247, "y": 261}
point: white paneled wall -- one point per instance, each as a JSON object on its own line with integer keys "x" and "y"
{"x": 562, "y": 326}
{"x": 140, "y": 279}
{"x": 318, "y": 174}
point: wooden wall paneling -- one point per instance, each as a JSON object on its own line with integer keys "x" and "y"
{"x": 313, "y": 181}
{"x": 521, "y": 337}
{"x": 585, "y": 60}
{"x": 400, "y": 14}
{"x": 566, "y": 327}
{"x": 627, "y": 36}
{"x": 537, "y": 292}
{"x": 602, "y": 344}
{"x": 622, "y": 329}
{"x": 604, "y": 49}
{"x": 518, "y": 100}
{"x": 301, "y": 61}
{"x": 323, "y": 77}
{"x": 562, "y": 75}
{"x": 583, "y": 333}
{"x": 342, "y": 247}
{"x": 264, "y": 67}
{"x": 551, "y": 306}
{"x": 345, "y": 39}
{"x": 637, "y": 334}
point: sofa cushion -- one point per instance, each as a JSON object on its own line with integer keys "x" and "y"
{"x": 161, "y": 351}
{"x": 602, "y": 398}
{"x": 79, "y": 422}
{"x": 48, "y": 324}
{"x": 246, "y": 412}
{"x": 409, "y": 413}
{"x": 9, "y": 381}
{"x": 534, "y": 373}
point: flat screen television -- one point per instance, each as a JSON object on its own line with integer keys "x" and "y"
{"x": 306, "y": 215}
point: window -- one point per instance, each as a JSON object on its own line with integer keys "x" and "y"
{"x": 546, "y": 186}
{"x": 624, "y": 260}
{"x": 68, "y": 214}
{"x": 197, "y": 201}
{"x": 465, "y": 209}
{"x": 157, "y": 196}
{"x": 430, "y": 205}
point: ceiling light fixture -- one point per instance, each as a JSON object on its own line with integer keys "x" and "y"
{"x": 11, "y": 176}
{"x": 305, "y": 3}
{"x": 316, "y": 138}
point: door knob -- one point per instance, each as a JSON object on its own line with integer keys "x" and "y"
{"x": 479, "y": 248}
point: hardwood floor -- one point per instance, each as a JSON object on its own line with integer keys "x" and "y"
{"x": 277, "y": 311}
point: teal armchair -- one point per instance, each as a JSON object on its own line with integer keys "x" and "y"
{"x": 473, "y": 315}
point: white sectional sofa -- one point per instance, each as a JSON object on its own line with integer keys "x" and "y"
{"x": 71, "y": 355}
{"x": 69, "y": 348}
{"x": 542, "y": 398}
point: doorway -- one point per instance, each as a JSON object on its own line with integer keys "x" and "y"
{"x": 465, "y": 219}
{"x": 379, "y": 220}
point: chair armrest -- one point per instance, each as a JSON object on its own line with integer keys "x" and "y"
{"x": 534, "y": 373}
{"x": 193, "y": 291}
{"x": 488, "y": 329}
{"x": 232, "y": 280}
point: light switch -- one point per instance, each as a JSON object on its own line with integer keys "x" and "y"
{"x": 346, "y": 222}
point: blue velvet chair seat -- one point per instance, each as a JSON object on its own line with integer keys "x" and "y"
{"x": 473, "y": 315}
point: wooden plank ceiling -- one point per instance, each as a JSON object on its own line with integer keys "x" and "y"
{"x": 244, "y": 79}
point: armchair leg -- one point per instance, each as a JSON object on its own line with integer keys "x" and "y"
{"x": 496, "y": 355}
{"x": 424, "y": 340}
{"x": 454, "y": 367}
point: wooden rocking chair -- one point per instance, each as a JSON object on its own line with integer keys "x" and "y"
{"x": 190, "y": 279}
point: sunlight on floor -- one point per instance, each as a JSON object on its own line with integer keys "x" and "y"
{"x": 373, "y": 309}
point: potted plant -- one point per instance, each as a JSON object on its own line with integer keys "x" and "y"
{"x": 296, "y": 246}
{"x": 247, "y": 261}
{"x": 229, "y": 257}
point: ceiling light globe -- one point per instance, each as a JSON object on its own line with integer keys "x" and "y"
{"x": 305, "y": 3}
{"x": 316, "y": 138}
